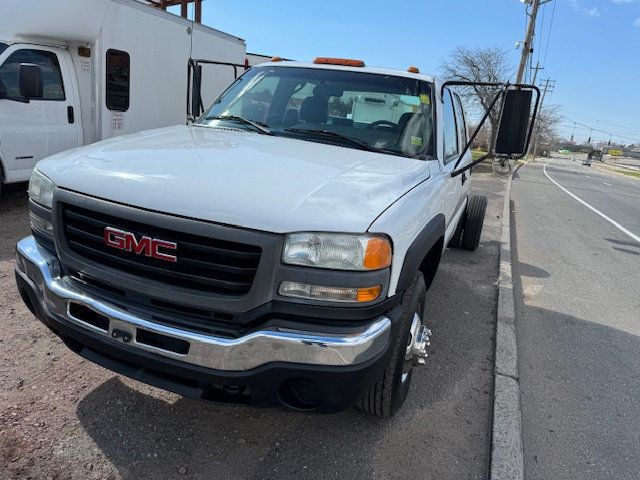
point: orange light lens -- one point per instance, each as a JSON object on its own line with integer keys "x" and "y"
{"x": 339, "y": 61}
{"x": 413, "y": 70}
{"x": 276, "y": 59}
{"x": 368, "y": 294}
{"x": 378, "y": 254}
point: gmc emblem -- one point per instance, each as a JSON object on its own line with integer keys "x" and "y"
{"x": 150, "y": 247}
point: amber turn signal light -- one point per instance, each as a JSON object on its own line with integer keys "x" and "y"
{"x": 378, "y": 254}
{"x": 368, "y": 294}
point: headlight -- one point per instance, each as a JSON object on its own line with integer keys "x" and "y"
{"x": 339, "y": 251}
{"x": 41, "y": 189}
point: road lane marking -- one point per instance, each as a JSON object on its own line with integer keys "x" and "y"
{"x": 610, "y": 220}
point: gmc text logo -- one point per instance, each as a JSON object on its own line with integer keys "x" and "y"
{"x": 148, "y": 246}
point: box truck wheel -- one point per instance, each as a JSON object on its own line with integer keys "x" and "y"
{"x": 390, "y": 391}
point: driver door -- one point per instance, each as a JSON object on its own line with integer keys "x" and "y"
{"x": 30, "y": 131}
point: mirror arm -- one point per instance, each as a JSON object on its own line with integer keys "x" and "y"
{"x": 455, "y": 173}
{"x": 473, "y": 137}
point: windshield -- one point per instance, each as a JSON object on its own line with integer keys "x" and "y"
{"x": 384, "y": 113}
{"x": 3, "y": 47}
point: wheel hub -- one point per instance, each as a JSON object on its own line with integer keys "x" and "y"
{"x": 419, "y": 340}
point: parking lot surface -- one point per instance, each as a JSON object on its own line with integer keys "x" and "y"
{"x": 62, "y": 417}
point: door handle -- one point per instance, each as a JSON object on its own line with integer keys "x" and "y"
{"x": 70, "y": 115}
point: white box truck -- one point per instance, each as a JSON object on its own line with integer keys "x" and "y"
{"x": 73, "y": 72}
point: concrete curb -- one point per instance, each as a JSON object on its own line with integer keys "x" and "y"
{"x": 506, "y": 436}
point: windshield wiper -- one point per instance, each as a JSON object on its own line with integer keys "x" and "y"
{"x": 336, "y": 136}
{"x": 258, "y": 126}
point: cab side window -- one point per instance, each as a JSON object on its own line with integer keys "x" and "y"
{"x": 450, "y": 129}
{"x": 460, "y": 121}
{"x": 53, "y": 86}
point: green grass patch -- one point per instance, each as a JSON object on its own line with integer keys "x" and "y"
{"x": 477, "y": 154}
{"x": 628, "y": 173}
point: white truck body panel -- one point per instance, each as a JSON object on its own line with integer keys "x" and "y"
{"x": 238, "y": 178}
{"x": 159, "y": 45}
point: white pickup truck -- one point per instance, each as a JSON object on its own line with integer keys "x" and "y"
{"x": 278, "y": 251}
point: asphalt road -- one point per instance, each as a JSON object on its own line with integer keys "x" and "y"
{"x": 577, "y": 290}
{"x": 64, "y": 418}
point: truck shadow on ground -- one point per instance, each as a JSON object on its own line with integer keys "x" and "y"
{"x": 146, "y": 433}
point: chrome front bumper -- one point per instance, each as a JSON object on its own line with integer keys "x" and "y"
{"x": 41, "y": 271}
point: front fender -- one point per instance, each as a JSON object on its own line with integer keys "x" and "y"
{"x": 415, "y": 222}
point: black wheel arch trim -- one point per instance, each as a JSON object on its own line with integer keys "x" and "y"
{"x": 426, "y": 239}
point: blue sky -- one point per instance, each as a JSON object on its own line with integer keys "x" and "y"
{"x": 593, "y": 54}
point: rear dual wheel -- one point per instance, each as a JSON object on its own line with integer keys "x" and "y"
{"x": 469, "y": 229}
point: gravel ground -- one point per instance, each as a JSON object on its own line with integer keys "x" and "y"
{"x": 62, "y": 417}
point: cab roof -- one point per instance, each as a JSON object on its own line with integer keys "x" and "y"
{"x": 376, "y": 70}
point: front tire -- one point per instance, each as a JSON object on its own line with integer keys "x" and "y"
{"x": 390, "y": 391}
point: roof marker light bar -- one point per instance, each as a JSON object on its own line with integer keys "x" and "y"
{"x": 348, "y": 62}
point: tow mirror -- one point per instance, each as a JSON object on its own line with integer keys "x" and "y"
{"x": 515, "y": 119}
{"x": 30, "y": 81}
{"x": 518, "y": 114}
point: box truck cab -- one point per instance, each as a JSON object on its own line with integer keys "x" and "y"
{"x": 75, "y": 72}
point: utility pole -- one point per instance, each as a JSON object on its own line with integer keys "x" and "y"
{"x": 547, "y": 87}
{"x": 536, "y": 69}
{"x": 527, "y": 48}
{"x": 528, "y": 41}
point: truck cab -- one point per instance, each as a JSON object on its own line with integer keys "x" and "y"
{"x": 32, "y": 128}
{"x": 278, "y": 251}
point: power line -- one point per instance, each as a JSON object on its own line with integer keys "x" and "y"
{"x": 584, "y": 126}
{"x": 553, "y": 13}
{"x": 544, "y": 9}
{"x": 597, "y": 120}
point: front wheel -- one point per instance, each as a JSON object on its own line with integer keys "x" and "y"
{"x": 408, "y": 350}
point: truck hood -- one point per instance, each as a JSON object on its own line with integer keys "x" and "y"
{"x": 239, "y": 178}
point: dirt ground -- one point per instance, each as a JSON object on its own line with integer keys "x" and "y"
{"x": 62, "y": 417}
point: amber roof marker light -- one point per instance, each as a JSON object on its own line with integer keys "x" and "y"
{"x": 347, "y": 62}
{"x": 413, "y": 70}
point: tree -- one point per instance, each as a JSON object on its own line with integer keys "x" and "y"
{"x": 484, "y": 64}
{"x": 547, "y": 124}
{"x": 546, "y": 129}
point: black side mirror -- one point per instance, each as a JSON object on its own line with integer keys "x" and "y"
{"x": 30, "y": 81}
{"x": 515, "y": 123}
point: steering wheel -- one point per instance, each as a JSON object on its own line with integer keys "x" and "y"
{"x": 381, "y": 123}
